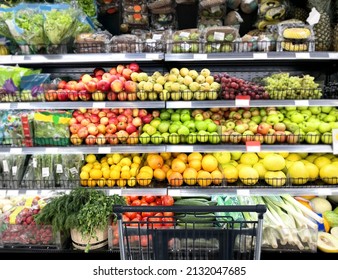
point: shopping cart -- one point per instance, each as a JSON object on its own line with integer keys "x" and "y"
{"x": 222, "y": 238}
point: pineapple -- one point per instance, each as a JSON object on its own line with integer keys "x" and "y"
{"x": 335, "y": 38}
{"x": 300, "y": 13}
{"x": 322, "y": 30}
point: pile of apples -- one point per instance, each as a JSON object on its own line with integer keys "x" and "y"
{"x": 107, "y": 126}
{"x": 116, "y": 84}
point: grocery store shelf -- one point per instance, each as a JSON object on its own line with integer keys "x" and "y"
{"x": 83, "y": 104}
{"x": 84, "y": 149}
{"x": 81, "y": 58}
{"x": 242, "y": 148}
{"x": 242, "y": 56}
{"x": 252, "y": 103}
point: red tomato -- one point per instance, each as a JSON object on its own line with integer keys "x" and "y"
{"x": 147, "y": 214}
{"x": 158, "y": 201}
{"x": 125, "y": 218}
{"x": 128, "y": 200}
{"x": 168, "y": 214}
{"x": 144, "y": 241}
{"x": 168, "y": 221}
{"x": 133, "y": 197}
{"x": 130, "y": 215}
{"x": 152, "y": 204}
{"x": 149, "y": 198}
{"x": 135, "y": 222}
{"x": 136, "y": 202}
{"x": 138, "y": 216}
{"x": 144, "y": 203}
{"x": 143, "y": 200}
{"x": 167, "y": 200}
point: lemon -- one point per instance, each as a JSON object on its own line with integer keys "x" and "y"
{"x": 110, "y": 182}
{"x": 104, "y": 159}
{"x": 90, "y": 158}
{"x": 125, "y": 161}
{"x": 321, "y": 161}
{"x": 131, "y": 182}
{"x": 275, "y": 178}
{"x": 125, "y": 175}
{"x": 293, "y": 157}
{"x": 284, "y": 154}
{"x": 114, "y": 174}
{"x": 125, "y": 168}
{"x": 147, "y": 169}
{"x": 91, "y": 182}
{"x": 311, "y": 158}
{"x": 313, "y": 170}
{"x": 329, "y": 174}
{"x": 298, "y": 173}
{"x": 121, "y": 182}
{"x": 274, "y": 162}
{"x": 241, "y": 165}
{"x": 134, "y": 165}
{"x": 101, "y": 182}
{"x": 249, "y": 159}
{"x": 117, "y": 168}
{"x": 84, "y": 183}
{"x": 136, "y": 159}
{"x": 97, "y": 166}
{"x": 110, "y": 161}
{"x": 86, "y": 168}
{"x": 230, "y": 173}
{"x": 133, "y": 171}
{"x": 95, "y": 174}
{"x": 117, "y": 158}
{"x": 248, "y": 175}
{"x": 259, "y": 166}
{"x": 106, "y": 173}
{"x": 84, "y": 175}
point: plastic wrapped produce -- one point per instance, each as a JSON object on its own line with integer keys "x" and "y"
{"x": 220, "y": 39}
{"x": 12, "y": 168}
{"x": 185, "y": 41}
{"x": 216, "y": 12}
{"x": 126, "y": 44}
{"x": 92, "y": 42}
{"x": 32, "y": 87}
{"x": 66, "y": 170}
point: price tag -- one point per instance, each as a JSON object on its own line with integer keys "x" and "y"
{"x": 302, "y": 102}
{"x": 200, "y": 56}
{"x": 74, "y": 171}
{"x": 324, "y": 192}
{"x": 15, "y": 151}
{"x": 3, "y": 193}
{"x": 152, "y": 56}
{"x": 242, "y": 101}
{"x": 261, "y": 55}
{"x": 51, "y": 150}
{"x": 44, "y": 193}
{"x": 59, "y": 169}
{"x": 253, "y": 146}
{"x": 99, "y": 105}
{"x": 302, "y": 55}
{"x": 188, "y": 149}
{"x": 115, "y": 191}
{"x": 174, "y": 192}
{"x": 45, "y": 172}
{"x": 31, "y": 192}
{"x": 184, "y": 34}
{"x": 14, "y": 170}
{"x": 243, "y": 192}
{"x": 35, "y": 163}
{"x": 333, "y": 55}
{"x": 104, "y": 150}
{"x": 335, "y": 141}
{"x": 215, "y": 9}
{"x": 23, "y": 105}
{"x": 11, "y": 193}
{"x": 219, "y": 36}
{"x": 157, "y": 37}
{"x": 5, "y": 106}
{"x": 5, "y": 166}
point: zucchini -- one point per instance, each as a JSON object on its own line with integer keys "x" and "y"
{"x": 196, "y": 225}
{"x": 191, "y": 202}
{"x": 197, "y": 218}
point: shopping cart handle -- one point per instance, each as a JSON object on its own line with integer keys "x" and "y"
{"x": 260, "y": 209}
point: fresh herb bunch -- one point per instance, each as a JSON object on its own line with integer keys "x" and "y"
{"x": 85, "y": 210}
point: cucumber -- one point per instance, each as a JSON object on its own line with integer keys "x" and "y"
{"x": 196, "y": 225}
{"x": 207, "y": 197}
{"x": 212, "y": 203}
{"x": 197, "y": 218}
{"x": 191, "y": 202}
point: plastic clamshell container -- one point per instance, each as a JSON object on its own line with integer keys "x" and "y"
{"x": 220, "y": 39}
{"x": 185, "y": 41}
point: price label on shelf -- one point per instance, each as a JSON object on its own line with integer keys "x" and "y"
{"x": 31, "y": 192}
{"x": 260, "y": 55}
{"x": 115, "y": 191}
{"x": 324, "y": 192}
{"x": 253, "y": 146}
{"x": 15, "y": 151}
{"x": 335, "y": 141}
{"x": 152, "y": 56}
{"x": 99, "y": 105}
{"x": 12, "y": 193}
{"x": 333, "y": 55}
{"x": 23, "y": 105}
{"x": 5, "y": 106}
{"x": 200, "y": 56}
{"x": 104, "y": 150}
{"x": 242, "y": 101}
{"x": 44, "y": 193}
{"x": 52, "y": 151}
{"x": 302, "y": 55}
{"x": 243, "y": 192}
{"x": 2, "y": 193}
{"x": 301, "y": 102}
{"x": 172, "y": 192}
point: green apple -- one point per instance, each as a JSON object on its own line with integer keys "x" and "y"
{"x": 230, "y": 125}
{"x": 207, "y": 121}
{"x": 191, "y": 138}
{"x": 185, "y": 111}
{"x": 302, "y": 108}
{"x": 286, "y": 121}
{"x": 191, "y": 126}
{"x": 334, "y": 125}
{"x": 290, "y": 113}
{"x": 151, "y": 130}
{"x": 297, "y": 118}
{"x": 183, "y": 138}
{"x": 312, "y": 137}
{"x": 280, "y": 116}
{"x": 326, "y": 138}
{"x": 309, "y": 126}
{"x": 256, "y": 119}
{"x": 329, "y": 119}
{"x": 324, "y": 127}
{"x": 183, "y": 130}
{"x": 320, "y": 116}
{"x": 262, "y": 112}
{"x": 306, "y": 116}
{"x": 212, "y": 127}
{"x": 199, "y": 117}
{"x": 175, "y": 116}
{"x": 326, "y": 109}
{"x": 201, "y": 125}
{"x": 292, "y": 127}
{"x": 202, "y": 136}
{"x": 156, "y": 138}
{"x": 155, "y": 122}
{"x": 163, "y": 126}
{"x": 315, "y": 110}
{"x": 185, "y": 117}
{"x": 300, "y": 134}
{"x": 173, "y": 128}
{"x": 165, "y": 116}
{"x": 291, "y": 108}
{"x": 165, "y": 136}
{"x": 214, "y": 138}
{"x": 174, "y": 138}
{"x": 272, "y": 119}
{"x": 144, "y": 138}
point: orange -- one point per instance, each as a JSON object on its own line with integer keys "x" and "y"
{"x": 183, "y": 157}
{"x": 159, "y": 174}
{"x": 195, "y": 156}
{"x": 95, "y": 174}
{"x": 165, "y": 156}
{"x": 178, "y": 165}
{"x": 217, "y": 177}
{"x": 190, "y": 176}
{"x": 175, "y": 179}
{"x": 165, "y": 168}
{"x": 169, "y": 172}
{"x": 204, "y": 178}
{"x": 209, "y": 163}
{"x": 168, "y": 161}
{"x": 196, "y": 164}
{"x": 230, "y": 173}
{"x": 155, "y": 161}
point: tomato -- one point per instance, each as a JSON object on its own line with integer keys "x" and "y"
{"x": 130, "y": 215}
{"x": 138, "y": 216}
{"x": 135, "y": 222}
{"x": 152, "y": 204}
{"x": 144, "y": 204}
{"x": 147, "y": 214}
{"x": 167, "y": 200}
{"x": 158, "y": 201}
{"x": 128, "y": 200}
{"x": 126, "y": 218}
{"x": 168, "y": 221}
{"x": 144, "y": 241}
{"x": 136, "y": 202}
{"x": 143, "y": 200}
{"x": 168, "y": 214}
{"x": 150, "y": 198}
{"x": 133, "y": 197}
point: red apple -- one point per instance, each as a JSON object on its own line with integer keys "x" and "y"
{"x": 115, "y": 111}
{"x": 120, "y": 68}
{"x": 122, "y": 96}
{"x": 98, "y": 95}
{"x": 83, "y": 132}
{"x": 122, "y": 118}
{"x": 103, "y": 85}
{"x": 74, "y": 128}
{"x": 94, "y": 118}
{"x": 129, "y": 119}
{"x": 102, "y": 114}
{"x": 73, "y": 95}
{"x": 113, "y": 71}
{"x": 116, "y": 86}
{"x": 122, "y": 79}
{"x": 135, "y": 112}
{"x": 111, "y": 128}
{"x": 91, "y": 86}
{"x": 85, "y": 122}
{"x": 73, "y": 121}
{"x": 134, "y": 67}
{"x": 122, "y": 135}
{"x": 131, "y": 128}
{"x": 111, "y": 96}
{"x": 280, "y": 136}
{"x": 156, "y": 113}
{"x": 71, "y": 85}
{"x": 107, "y": 77}
{"x": 137, "y": 122}
{"x": 98, "y": 71}
{"x": 62, "y": 95}
{"x": 62, "y": 84}
{"x": 132, "y": 96}
{"x": 130, "y": 87}
{"x": 75, "y": 139}
{"x": 126, "y": 73}
{"x": 86, "y": 78}
{"x": 142, "y": 113}
{"x": 128, "y": 112}
{"x": 95, "y": 111}
{"x": 80, "y": 118}
{"x": 112, "y": 139}
{"x": 101, "y": 128}
{"x": 113, "y": 120}
{"x": 80, "y": 86}
{"x": 93, "y": 130}
{"x": 51, "y": 95}
{"x": 133, "y": 138}
{"x": 121, "y": 126}
{"x": 90, "y": 140}
{"x": 84, "y": 95}
{"x": 263, "y": 128}
{"x": 104, "y": 120}
{"x": 147, "y": 119}
{"x": 100, "y": 139}
{"x": 110, "y": 114}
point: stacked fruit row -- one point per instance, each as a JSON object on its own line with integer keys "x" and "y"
{"x": 203, "y": 170}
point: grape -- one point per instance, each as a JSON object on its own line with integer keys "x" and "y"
{"x": 330, "y": 90}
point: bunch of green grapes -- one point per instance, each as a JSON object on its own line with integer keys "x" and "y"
{"x": 310, "y": 89}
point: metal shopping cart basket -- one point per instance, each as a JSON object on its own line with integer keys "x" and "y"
{"x": 162, "y": 238}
